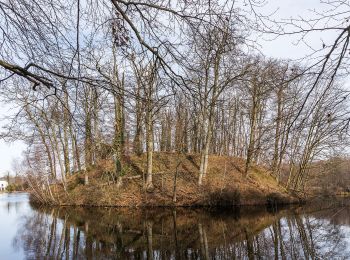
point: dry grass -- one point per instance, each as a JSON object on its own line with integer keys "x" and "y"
{"x": 224, "y": 184}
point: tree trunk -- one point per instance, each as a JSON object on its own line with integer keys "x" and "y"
{"x": 149, "y": 139}
{"x": 118, "y": 144}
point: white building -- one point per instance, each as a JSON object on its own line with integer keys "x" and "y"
{"x": 3, "y": 185}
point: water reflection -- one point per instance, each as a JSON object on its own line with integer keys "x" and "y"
{"x": 66, "y": 233}
{"x": 12, "y": 206}
{"x": 13, "y": 202}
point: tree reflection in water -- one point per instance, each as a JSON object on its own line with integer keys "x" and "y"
{"x": 71, "y": 233}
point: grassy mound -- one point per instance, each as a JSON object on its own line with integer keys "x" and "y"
{"x": 224, "y": 184}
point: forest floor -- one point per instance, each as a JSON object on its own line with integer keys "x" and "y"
{"x": 224, "y": 184}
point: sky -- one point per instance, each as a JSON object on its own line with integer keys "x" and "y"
{"x": 289, "y": 47}
{"x": 283, "y": 47}
{"x": 9, "y": 152}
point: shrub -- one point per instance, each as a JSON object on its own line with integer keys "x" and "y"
{"x": 224, "y": 198}
{"x": 12, "y": 188}
{"x": 274, "y": 199}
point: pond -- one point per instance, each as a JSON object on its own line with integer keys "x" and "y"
{"x": 295, "y": 232}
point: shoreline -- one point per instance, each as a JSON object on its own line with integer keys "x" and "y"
{"x": 265, "y": 201}
{"x": 225, "y": 185}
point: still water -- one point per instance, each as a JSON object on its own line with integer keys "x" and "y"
{"x": 318, "y": 232}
